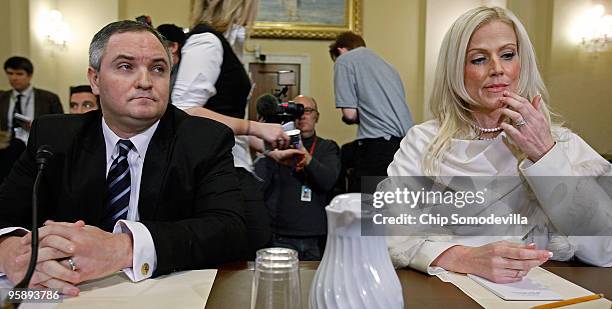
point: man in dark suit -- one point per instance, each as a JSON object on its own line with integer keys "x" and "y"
{"x": 25, "y": 101}
{"x": 161, "y": 180}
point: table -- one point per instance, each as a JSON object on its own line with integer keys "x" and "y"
{"x": 232, "y": 286}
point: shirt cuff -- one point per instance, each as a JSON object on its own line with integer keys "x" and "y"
{"x": 554, "y": 162}
{"x": 429, "y": 251}
{"x": 18, "y": 231}
{"x": 144, "y": 257}
{"x": 183, "y": 105}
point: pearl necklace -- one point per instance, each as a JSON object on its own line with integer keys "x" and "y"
{"x": 486, "y": 130}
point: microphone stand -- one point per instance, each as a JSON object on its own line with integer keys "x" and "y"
{"x": 42, "y": 156}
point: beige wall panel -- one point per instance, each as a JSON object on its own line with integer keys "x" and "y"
{"x": 580, "y": 82}
{"x": 161, "y": 11}
{"x": 14, "y": 32}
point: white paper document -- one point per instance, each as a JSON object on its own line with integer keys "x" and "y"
{"x": 188, "y": 289}
{"x": 540, "y": 280}
{"x": 23, "y": 117}
{"x": 526, "y": 289}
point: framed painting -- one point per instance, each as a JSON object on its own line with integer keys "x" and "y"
{"x": 307, "y": 19}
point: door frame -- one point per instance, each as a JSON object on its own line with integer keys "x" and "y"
{"x": 302, "y": 60}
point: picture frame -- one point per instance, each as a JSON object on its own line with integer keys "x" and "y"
{"x": 307, "y": 19}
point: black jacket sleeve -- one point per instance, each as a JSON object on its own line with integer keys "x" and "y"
{"x": 217, "y": 232}
{"x": 16, "y": 190}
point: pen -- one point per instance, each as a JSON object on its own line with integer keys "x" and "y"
{"x": 570, "y": 301}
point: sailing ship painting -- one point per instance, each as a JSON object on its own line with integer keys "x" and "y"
{"x": 309, "y": 12}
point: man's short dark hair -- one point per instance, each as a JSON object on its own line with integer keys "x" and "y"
{"x": 84, "y": 88}
{"x": 348, "y": 40}
{"x": 100, "y": 39}
{"x": 19, "y": 63}
{"x": 80, "y": 88}
{"x": 172, "y": 33}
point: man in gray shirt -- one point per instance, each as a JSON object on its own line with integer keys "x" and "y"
{"x": 371, "y": 94}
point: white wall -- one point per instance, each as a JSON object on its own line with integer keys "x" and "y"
{"x": 14, "y": 34}
{"x": 42, "y": 55}
{"x": 580, "y": 82}
{"x": 55, "y": 69}
{"x": 72, "y": 63}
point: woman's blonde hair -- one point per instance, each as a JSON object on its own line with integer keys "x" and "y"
{"x": 221, "y": 14}
{"x": 450, "y": 103}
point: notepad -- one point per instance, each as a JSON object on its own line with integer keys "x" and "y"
{"x": 22, "y": 117}
{"x": 526, "y": 289}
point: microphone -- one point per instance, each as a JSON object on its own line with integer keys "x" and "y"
{"x": 43, "y": 155}
{"x": 266, "y": 105}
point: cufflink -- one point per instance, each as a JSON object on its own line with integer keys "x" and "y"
{"x": 144, "y": 269}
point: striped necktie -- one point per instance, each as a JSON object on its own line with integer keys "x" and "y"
{"x": 118, "y": 182}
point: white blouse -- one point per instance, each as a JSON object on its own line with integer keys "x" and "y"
{"x": 571, "y": 156}
{"x": 199, "y": 69}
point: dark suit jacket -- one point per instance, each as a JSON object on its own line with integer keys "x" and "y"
{"x": 189, "y": 195}
{"x": 45, "y": 102}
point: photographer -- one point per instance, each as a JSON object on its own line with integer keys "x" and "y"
{"x": 298, "y": 183}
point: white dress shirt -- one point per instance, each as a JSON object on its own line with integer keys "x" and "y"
{"x": 27, "y": 109}
{"x": 143, "y": 251}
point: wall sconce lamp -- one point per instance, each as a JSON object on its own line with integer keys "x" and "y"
{"x": 595, "y": 29}
{"x": 55, "y": 30}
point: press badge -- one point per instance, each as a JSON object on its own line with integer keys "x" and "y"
{"x": 306, "y": 195}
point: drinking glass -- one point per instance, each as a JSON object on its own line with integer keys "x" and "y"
{"x": 276, "y": 282}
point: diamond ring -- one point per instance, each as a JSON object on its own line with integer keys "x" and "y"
{"x": 519, "y": 123}
{"x": 72, "y": 264}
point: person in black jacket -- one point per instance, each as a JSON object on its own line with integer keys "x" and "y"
{"x": 33, "y": 102}
{"x": 19, "y": 106}
{"x": 298, "y": 185}
{"x": 139, "y": 186}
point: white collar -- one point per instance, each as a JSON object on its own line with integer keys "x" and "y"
{"x": 26, "y": 93}
{"x": 140, "y": 140}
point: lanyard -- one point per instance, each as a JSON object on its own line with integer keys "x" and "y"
{"x": 311, "y": 151}
{"x": 312, "y": 147}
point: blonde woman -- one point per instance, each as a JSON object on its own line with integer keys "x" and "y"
{"x": 211, "y": 82}
{"x": 491, "y": 119}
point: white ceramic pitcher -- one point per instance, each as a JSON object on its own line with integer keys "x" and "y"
{"x": 356, "y": 271}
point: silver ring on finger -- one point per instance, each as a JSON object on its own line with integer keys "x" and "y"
{"x": 519, "y": 123}
{"x": 72, "y": 264}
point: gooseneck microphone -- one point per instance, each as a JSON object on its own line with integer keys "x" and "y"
{"x": 43, "y": 155}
